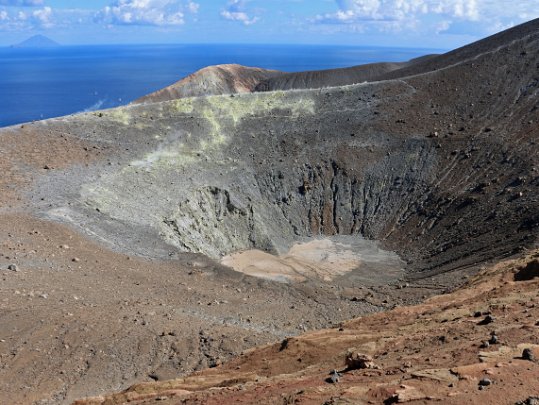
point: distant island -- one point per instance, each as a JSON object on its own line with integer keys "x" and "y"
{"x": 37, "y": 41}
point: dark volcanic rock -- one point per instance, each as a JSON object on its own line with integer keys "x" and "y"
{"x": 529, "y": 272}
{"x": 262, "y": 170}
{"x": 488, "y": 320}
{"x": 331, "y": 77}
{"x": 529, "y": 401}
{"x": 527, "y": 354}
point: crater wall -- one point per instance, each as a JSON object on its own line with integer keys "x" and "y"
{"x": 441, "y": 167}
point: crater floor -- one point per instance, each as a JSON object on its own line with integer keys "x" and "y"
{"x": 337, "y": 259}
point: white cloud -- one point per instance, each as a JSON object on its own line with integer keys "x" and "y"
{"x": 442, "y": 26}
{"x": 465, "y": 9}
{"x": 397, "y": 10}
{"x": 42, "y": 17}
{"x": 432, "y": 15}
{"x": 147, "y": 12}
{"x": 21, "y": 3}
{"x": 235, "y": 11}
{"x": 238, "y": 16}
{"x": 193, "y": 7}
{"x": 361, "y": 7}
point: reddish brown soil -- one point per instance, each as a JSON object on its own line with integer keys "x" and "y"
{"x": 26, "y": 153}
{"x": 429, "y": 353}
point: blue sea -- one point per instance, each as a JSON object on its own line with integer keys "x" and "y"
{"x": 44, "y": 83}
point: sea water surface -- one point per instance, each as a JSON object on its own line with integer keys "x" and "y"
{"x": 43, "y": 83}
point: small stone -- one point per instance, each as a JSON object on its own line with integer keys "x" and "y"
{"x": 485, "y": 382}
{"x": 527, "y": 354}
{"x": 488, "y": 320}
{"x": 355, "y": 361}
{"x": 493, "y": 340}
{"x": 75, "y": 259}
{"x": 485, "y": 345}
{"x": 334, "y": 377}
{"x": 13, "y": 267}
{"x": 529, "y": 401}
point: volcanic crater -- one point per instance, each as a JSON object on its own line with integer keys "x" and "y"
{"x": 423, "y": 164}
{"x": 421, "y": 174}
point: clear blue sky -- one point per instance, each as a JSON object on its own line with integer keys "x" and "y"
{"x": 442, "y": 24}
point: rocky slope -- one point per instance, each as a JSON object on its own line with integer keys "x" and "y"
{"x": 411, "y": 162}
{"x": 334, "y": 77}
{"x": 117, "y": 219}
{"x": 326, "y": 78}
{"x": 234, "y": 79}
{"x": 212, "y": 80}
{"x": 436, "y": 352}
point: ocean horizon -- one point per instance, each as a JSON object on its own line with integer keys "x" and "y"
{"x": 44, "y": 83}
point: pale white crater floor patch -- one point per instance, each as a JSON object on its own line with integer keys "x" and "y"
{"x": 321, "y": 258}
